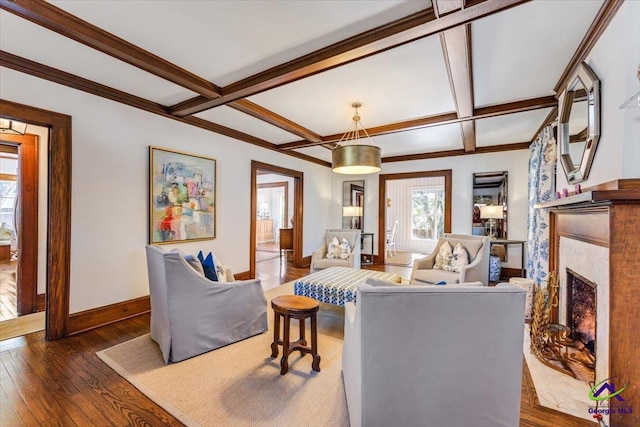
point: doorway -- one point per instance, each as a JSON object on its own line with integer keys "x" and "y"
{"x": 58, "y": 224}
{"x": 19, "y": 226}
{"x": 276, "y": 217}
{"x": 414, "y": 209}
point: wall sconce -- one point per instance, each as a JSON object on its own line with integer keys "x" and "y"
{"x": 388, "y": 203}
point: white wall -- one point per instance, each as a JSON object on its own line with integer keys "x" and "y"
{"x": 271, "y": 178}
{"x": 109, "y": 226}
{"x": 615, "y": 59}
{"x": 516, "y": 163}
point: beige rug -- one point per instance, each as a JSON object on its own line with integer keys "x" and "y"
{"x": 240, "y": 384}
{"x": 402, "y": 258}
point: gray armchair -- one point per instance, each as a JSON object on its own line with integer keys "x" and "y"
{"x": 191, "y": 314}
{"x": 478, "y": 269}
{"x": 319, "y": 261}
{"x": 429, "y": 356}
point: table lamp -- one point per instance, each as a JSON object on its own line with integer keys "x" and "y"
{"x": 354, "y": 212}
{"x": 492, "y": 212}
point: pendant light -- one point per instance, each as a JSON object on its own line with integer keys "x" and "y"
{"x": 352, "y": 155}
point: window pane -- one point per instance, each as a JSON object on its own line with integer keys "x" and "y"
{"x": 427, "y": 219}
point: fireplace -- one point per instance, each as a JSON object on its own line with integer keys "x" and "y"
{"x": 581, "y": 320}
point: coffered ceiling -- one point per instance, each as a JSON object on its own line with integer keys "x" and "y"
{"x": 441, "y": 79}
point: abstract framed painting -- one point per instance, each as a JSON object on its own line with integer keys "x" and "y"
{"x": 182, "y": 189}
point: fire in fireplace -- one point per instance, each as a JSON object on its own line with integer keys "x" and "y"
{"x": 581, "y": 320}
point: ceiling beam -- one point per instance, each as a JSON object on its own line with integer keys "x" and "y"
{"x": 55, "y": 19}
{"x": 600, "y": 23}
{"x": 261, "y": 113}
{"x": 461, "y": 152}
{"x": 456, "y": 47}
{"x": 439, "y": 120}
{"x": 405, "y": 30}
{"x": 45, "y": 72}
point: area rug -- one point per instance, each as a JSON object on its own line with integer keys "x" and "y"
{"x": 266, "y": 255}
{"x": 402, "y": 258}
{"x": 240, "y": 384}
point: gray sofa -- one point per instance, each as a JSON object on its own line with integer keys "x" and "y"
{"x": 477, "y": 247}
{"x": 191, "y": 314}
{"x": 432, "y": 356}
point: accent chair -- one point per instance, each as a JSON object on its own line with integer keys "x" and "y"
{"x": 191, "y": 314}
{"x": 477, "y": 248}
{"x": 319, "y": 260}
{"x": 430, "y": 356}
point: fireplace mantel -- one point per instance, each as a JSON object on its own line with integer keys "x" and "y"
{"x": 608, "y": 215}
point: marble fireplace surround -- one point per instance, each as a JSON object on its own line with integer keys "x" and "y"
{"x": 595, "y": 234}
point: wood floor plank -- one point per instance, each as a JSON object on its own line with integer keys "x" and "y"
{"x": 64, "y": 383}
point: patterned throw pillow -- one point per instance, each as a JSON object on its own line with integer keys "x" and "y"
{"x": 334, "y": 250}
{"x": 459, "y": 259}
{"x": 221, "y": 270}
{"x": 443, "y": 257}
{"x": 345, "y": 249}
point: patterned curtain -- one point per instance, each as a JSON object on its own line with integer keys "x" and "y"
{"x": 542, "y": 163}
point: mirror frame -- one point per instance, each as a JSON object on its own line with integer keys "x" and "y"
{"x": 583, "y": 75}
{"x": 349, "y": 198}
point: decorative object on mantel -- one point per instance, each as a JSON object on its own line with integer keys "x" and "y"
{"x": 551, "y": 342}
{"x": 351, "y": 156}
{"x": 12, "y": 127}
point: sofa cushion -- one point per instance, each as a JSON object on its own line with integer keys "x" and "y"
{"x": 431, "y": 276}
{"x": 472, "y": 246}
{"x": 221, "y": 270}
{"x": 333, "y": 249}
{"x": 459, "y": 259}
{"x": 349, "y": 235}
{"x": 191, "y": 260}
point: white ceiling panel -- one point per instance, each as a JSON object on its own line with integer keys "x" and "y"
{"x": 509, "y": 129}
{"x": 225, "y": 41}
{"x": 436, "y": 138}
{"x": 234, "y": 119}
{"x": 407, "y": 82}
{"x": 316, "y": 151}
{"x": 23, "y": 38}
{"x": 520, "y": 53}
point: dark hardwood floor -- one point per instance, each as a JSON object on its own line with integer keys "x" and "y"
{"x": 63, "y": 382}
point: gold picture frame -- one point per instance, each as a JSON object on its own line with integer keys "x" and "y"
{"x": 182, "y": 196}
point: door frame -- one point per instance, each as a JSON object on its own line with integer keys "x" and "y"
{"x": 27, "y": 224}
{"x": 298, "y": 186}
{"x": 382, "y": 204}
{"x": 59, "y": 210}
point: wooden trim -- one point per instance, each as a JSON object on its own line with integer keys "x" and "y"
{"x": 6, "y": 176}
{"x": 243, "y": 275}
{"x": 96, "y": 317}
{"x": 27, "y": 268}
{"x": 598, "y": 26}
{"x": 59, "y": 210}
{"x": 298, "y": 211}
{"x": 382, "y": 204}
{"x": 55, "y": 19}
{"x": 41, "y": 302}
{"x": 387, "y": 36}
{"x": 507, "y": 273}
{"x": 76, "y": 82}
{"x": 461, "y": 152}
{"x": 440, "y": 119}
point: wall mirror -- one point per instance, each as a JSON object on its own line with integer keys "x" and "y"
{"x": 353, "y": 204}
{"x": 579, "y": 123}
{"x": 490, "y": 191}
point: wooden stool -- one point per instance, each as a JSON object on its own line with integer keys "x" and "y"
{"x": 296, "y": 307}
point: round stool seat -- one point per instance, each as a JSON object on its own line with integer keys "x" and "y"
{"x": 294, "y": 307}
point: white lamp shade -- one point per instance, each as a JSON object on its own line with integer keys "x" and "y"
{"x": 492, "y": 212}
{"x": 352, "y": 211}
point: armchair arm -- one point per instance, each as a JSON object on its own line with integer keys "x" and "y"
{"x": 319, "y": 253}
{"x": 476, "y": 271}
{"x": 425, "y": 263}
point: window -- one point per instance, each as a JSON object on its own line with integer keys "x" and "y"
{"x": 427, "y": 213}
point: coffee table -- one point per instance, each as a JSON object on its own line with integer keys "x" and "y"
{"x": 337, "y": 285}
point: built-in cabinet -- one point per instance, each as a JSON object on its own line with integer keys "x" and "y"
{"x": 264, "y": 231}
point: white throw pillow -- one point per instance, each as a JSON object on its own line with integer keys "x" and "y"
{"x": 443, "y": 257}
{"x": 459, "y": 259}
{"x": 345, "y": 249}
{"x": 334, "y": 251}
{"x": 221, "y": 270}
